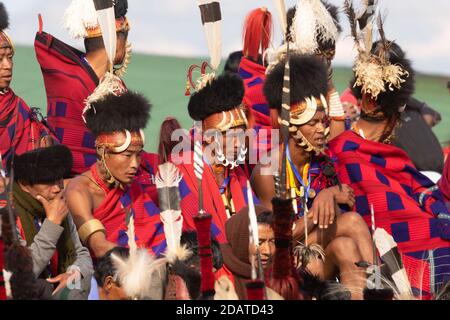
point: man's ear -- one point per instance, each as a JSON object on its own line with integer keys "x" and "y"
{"x": 108, "y": 284}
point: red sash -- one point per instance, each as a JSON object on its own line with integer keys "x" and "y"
{"x": 18, "y": 127}
{"x": 113, "y": 211}
{"x": 212, "y": 199}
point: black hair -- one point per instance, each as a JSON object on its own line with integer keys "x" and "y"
{"x": 233, "y": 62}
{"x": 120, "y": 8}
{"x": 129, "y": 111}
{"x": 96, "y": 43}
{"x": 309, "y": 77}
{"x": 105, "y": 266}
{"x": 391, "y": 100}
{"x": 42, "y": 165}
{"x": 224, "y": 93}
{"x": 265, "y": 217}
{"x": 189, "y": 238}
{"x": 4, "y": 18}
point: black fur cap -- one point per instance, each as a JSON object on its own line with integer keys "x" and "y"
{"x": 43, "y": 165}
{"x": 224, "y": 93}
{"x": 309, "y": 77}
{"x": 129, "y": 111}
{"x": 4, "y": 18}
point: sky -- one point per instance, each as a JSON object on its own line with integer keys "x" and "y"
{"x": 173, "y": 27}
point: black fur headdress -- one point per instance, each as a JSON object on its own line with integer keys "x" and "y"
{"x": 309, "y": 77}
{"x": 129, "y": 111}
{"x": 391, "y": 100}
{"x": 4, "y": 18}
{"x": 43, "y": 165}
{"x": 222, "y": 94}
{"x": 120, "y": 8}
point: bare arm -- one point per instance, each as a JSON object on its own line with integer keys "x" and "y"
{"x": 263, "y": 186}
{"x": 80, "y": 204}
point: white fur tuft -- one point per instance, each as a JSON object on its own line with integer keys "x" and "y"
{"x": 79, "y": 16}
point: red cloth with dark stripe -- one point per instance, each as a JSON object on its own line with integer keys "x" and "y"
{"x": 112, "y": 213}
{"x": 19, "y": 127}
{"x": 384, "y": 176}
{"x": 254, "y": 76}
{"x": 68, "y": 80}
{"x": 212, "y": 199}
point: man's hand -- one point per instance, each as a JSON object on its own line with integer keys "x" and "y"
{"x": 323, "y": 209}
{"x": 65, "y": 279}
{"x": 345, "y": 195}
{"x": 56, "y": 209}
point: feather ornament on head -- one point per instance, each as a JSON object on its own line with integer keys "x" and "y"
{"x": 373, "y": 72}
{"x": 312, "y": 23}
{"x": 110, "y": 84}
{"x": 141, "y": 275}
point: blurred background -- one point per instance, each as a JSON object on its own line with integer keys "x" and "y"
{"x": 167, "y": 37}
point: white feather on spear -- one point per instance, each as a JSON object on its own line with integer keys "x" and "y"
{"x": 387, "y": 248}
{"x": 167, "y": 181}
{"x": 280, "y": 7}
{"x": 107, "y": 21}
{"x": 211, "y": 19}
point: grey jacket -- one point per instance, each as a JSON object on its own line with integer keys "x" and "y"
{"x": 43, "y": 248}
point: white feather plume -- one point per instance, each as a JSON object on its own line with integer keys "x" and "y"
{"x": 79, "y": 16}
{"x": 312, "y": 22}
{"x": 213, "y": 33}
{"x": 384, "y": 243}
{"x": 168, "y": 175}
{"x": 280, "y": 7}
{"x": 167, "y": 178}
{"x": 141, "y": 275}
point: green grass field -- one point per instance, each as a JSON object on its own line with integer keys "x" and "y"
{"x": 163, "y": 81}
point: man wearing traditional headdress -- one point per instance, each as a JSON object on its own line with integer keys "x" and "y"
{"x": 405, "y": 203}
{"x": 219, "y": 108}
{"x": 103, "y": 198}
{"x": 70, "y": 76}
{"x": 310, "y": 176}
{"x": 20, "y": 129}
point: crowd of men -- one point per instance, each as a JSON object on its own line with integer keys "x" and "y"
{"x": 283, "y": 190}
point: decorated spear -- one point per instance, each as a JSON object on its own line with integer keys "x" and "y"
{"x": 211, "y": 20}
{"x": 256, "y": 287}
{"x": 284, "y": 280}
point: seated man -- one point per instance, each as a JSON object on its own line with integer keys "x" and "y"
{"x": 310, "y": 175}
{"x": 406, "y": 204}
{"x": 45, "y": 224}
{"x": 20, "y": 130}
{"x": 102, "y": 199}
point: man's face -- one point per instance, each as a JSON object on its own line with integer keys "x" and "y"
{"x": 266, "y": 245}
{"x": 6, "y": 66}
{"x": 314, "y": 130}
{"x": 233, "y": 140}
{"x": 49, "y": 190}
{"x": 123, "y": 166}
{"x": 121, "y": 47}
